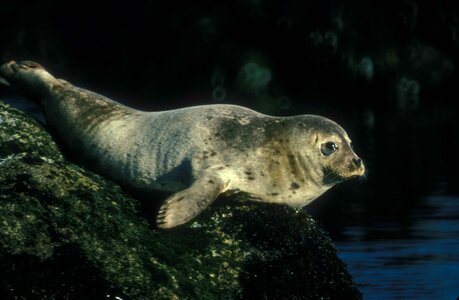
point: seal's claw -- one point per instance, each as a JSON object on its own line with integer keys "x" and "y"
{"x": 7, "y": 70}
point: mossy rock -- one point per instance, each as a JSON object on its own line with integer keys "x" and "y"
{"x": 21, "y": 134}
{"x": 67, "y": 233}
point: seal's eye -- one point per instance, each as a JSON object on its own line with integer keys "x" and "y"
{"x": 328, "y": 148}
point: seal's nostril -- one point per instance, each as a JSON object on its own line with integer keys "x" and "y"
{"x": 357, "y": 161}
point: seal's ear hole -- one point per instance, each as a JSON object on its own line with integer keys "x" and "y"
{"x": 328, "y": 148}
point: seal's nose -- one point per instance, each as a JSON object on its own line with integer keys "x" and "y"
{"x": 357, "y": 162}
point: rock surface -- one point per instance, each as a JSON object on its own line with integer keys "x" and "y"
{"x": 66, "y": 233}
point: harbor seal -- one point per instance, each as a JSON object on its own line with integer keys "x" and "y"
{"x": 195, "y": 153}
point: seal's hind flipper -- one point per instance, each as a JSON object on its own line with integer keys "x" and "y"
{"x": 4, "y": 82}
{"x": 187, "y": 204}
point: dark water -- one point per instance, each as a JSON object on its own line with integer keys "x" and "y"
{"x": 418, "y": 260}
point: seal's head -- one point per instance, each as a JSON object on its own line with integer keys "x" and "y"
{"x": 331, "y": 151}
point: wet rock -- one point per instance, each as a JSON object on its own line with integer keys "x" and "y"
{"x": 66, "y": 233}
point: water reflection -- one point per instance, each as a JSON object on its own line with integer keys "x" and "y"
{"x": 420, "y": 261}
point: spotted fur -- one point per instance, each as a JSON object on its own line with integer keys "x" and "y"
{"x": 195, "y": 153}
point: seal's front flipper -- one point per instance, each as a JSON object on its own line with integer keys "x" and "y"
{"x": 187, "y": 204}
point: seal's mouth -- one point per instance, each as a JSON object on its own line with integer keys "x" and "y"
{"x": 332, "y": 176}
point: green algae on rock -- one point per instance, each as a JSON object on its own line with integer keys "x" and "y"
{"x": 66, "y": 233}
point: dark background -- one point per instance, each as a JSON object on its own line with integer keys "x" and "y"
{"x": 386, "y": 71}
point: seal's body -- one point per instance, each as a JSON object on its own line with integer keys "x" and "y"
{"x": 197, "y": 152}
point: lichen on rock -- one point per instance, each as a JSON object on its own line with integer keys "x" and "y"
{"x": 21, "y": 134}
{"x": 67, "y": 233}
